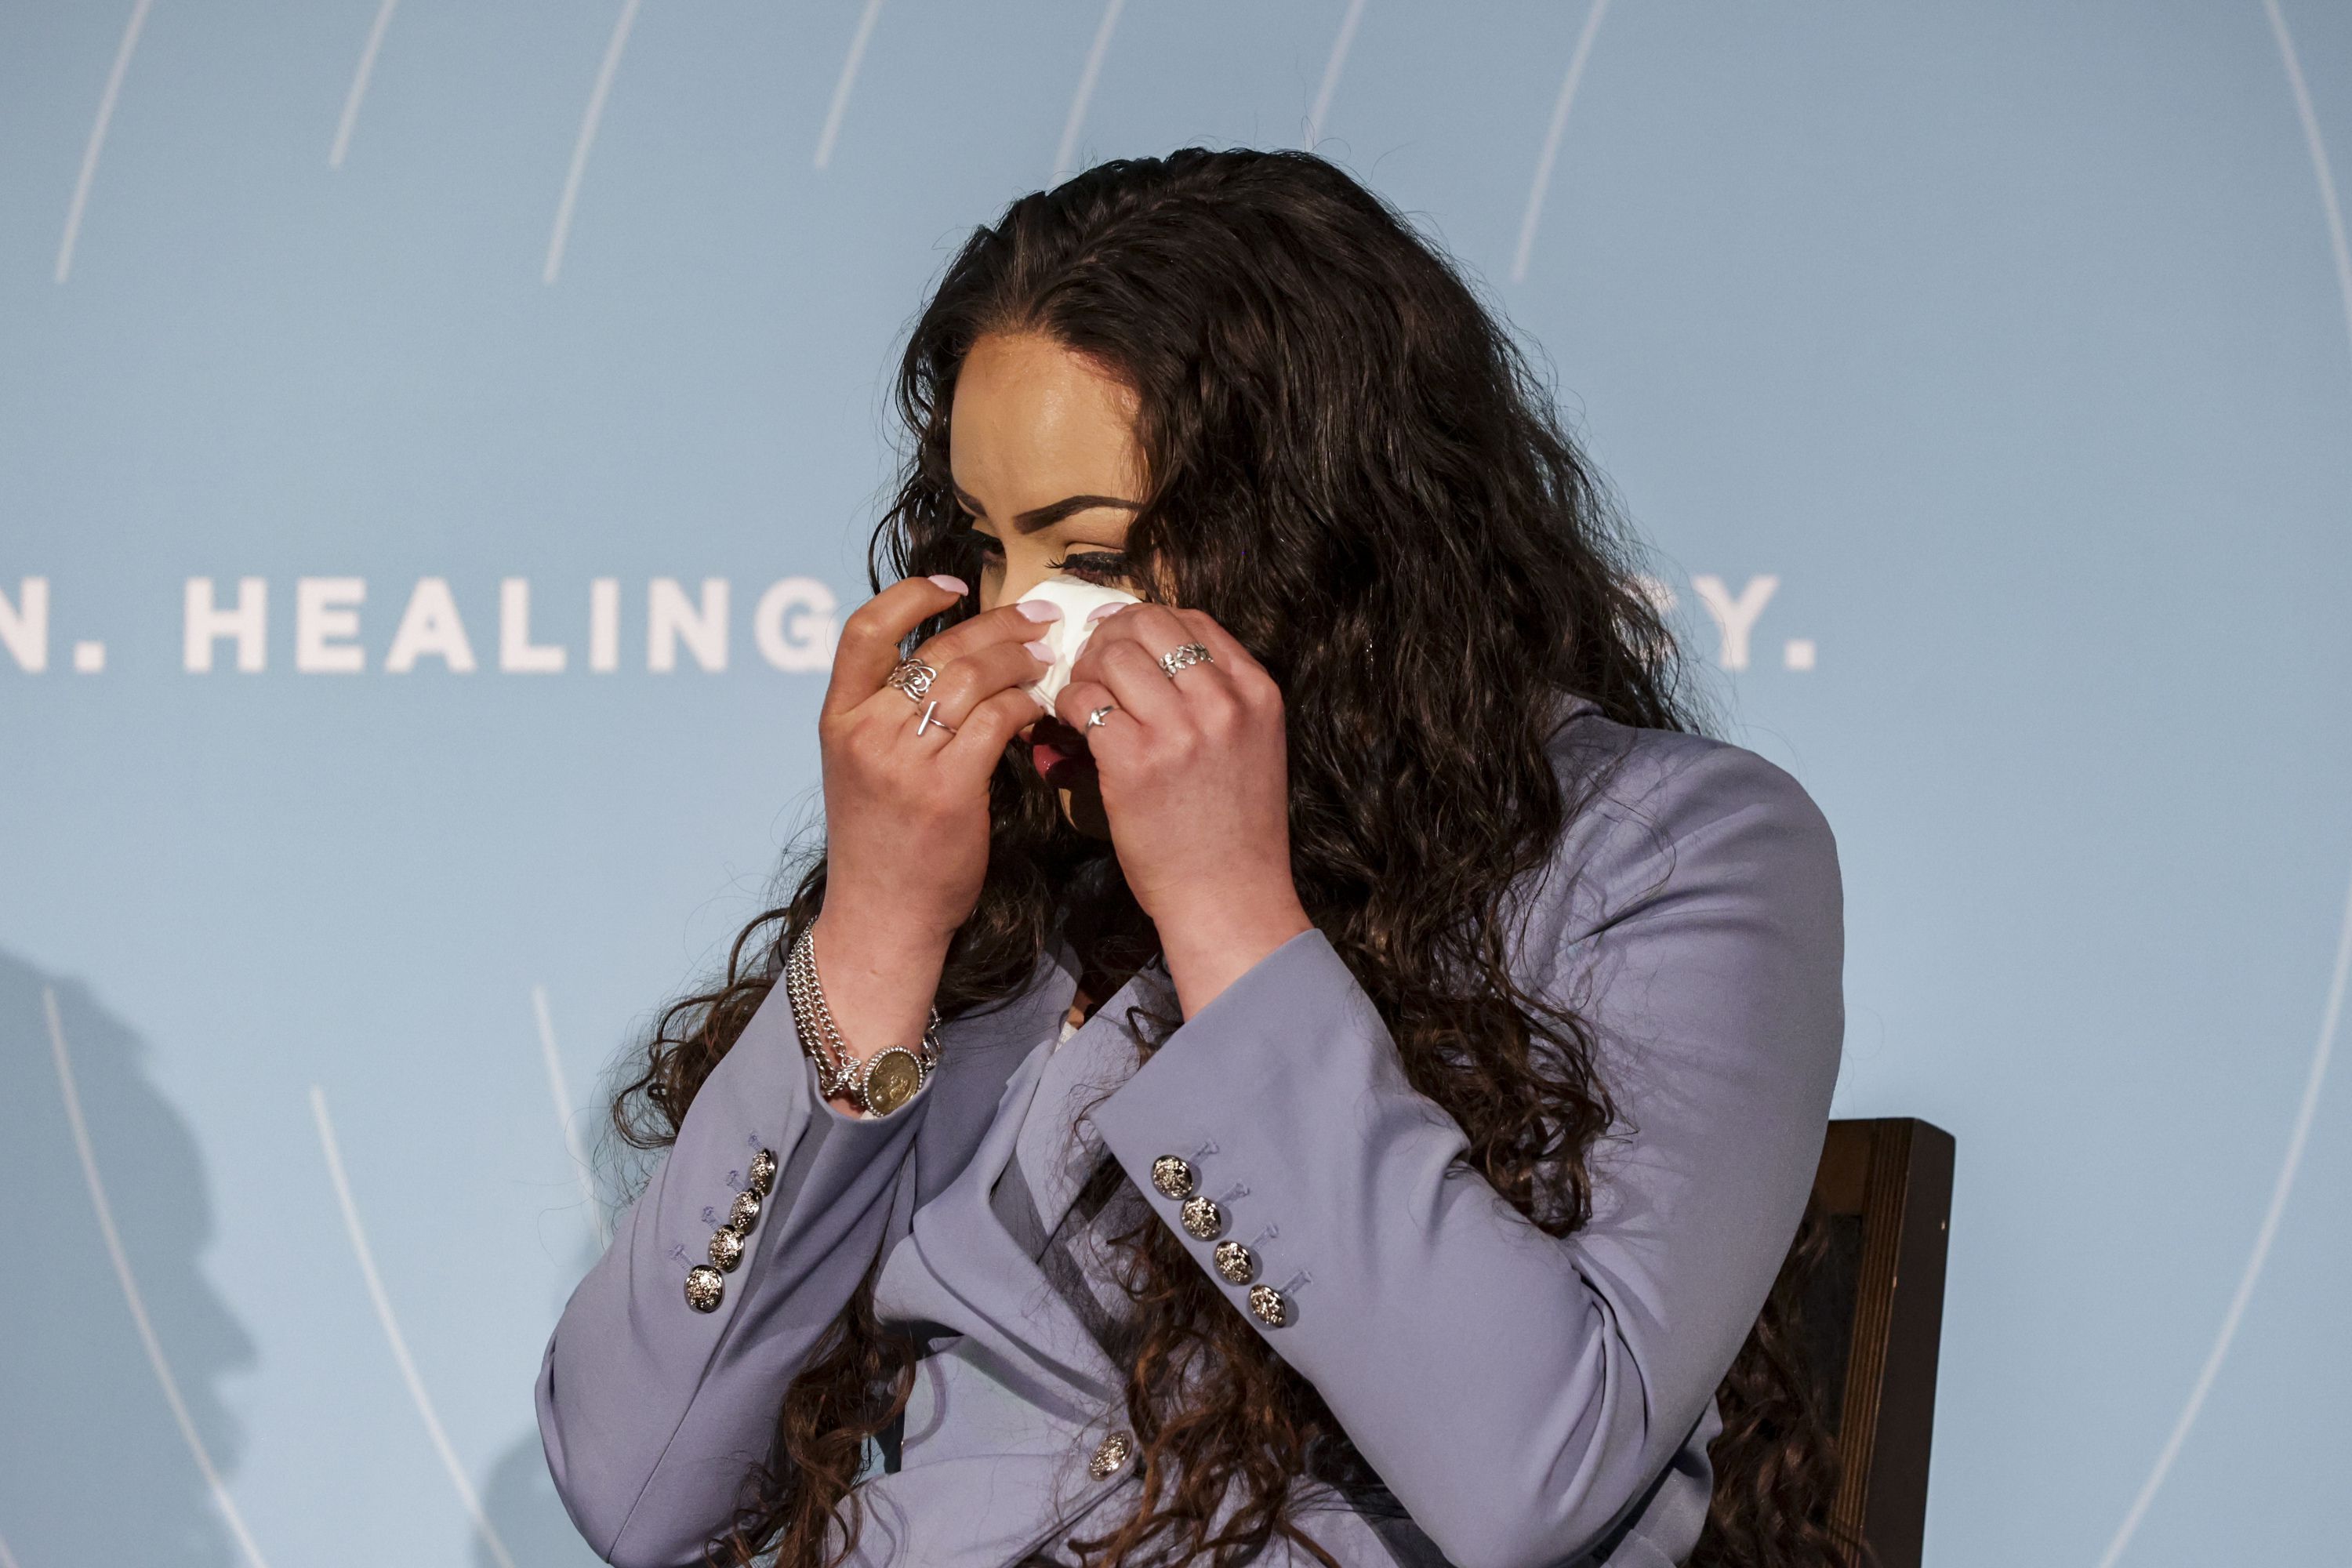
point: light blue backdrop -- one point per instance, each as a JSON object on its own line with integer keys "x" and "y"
{"x": 2009, "y": 340}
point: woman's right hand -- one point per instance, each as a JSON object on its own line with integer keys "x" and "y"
{"x": 907, "y": 813}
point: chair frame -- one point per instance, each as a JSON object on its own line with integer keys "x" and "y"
{"x": 1893, "y": 1175}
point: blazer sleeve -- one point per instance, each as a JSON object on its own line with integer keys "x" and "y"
{"x": 653, "y": 1412}
{"x": 1520, "y": 1393}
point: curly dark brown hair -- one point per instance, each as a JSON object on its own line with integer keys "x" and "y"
{"x": 1354, "y": 469}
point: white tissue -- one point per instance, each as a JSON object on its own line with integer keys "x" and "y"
{"x": 1078, "y": 598}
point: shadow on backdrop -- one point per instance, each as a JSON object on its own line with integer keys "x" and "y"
{"x": 90, "y": 1450}
{"x": 518, "y": 1495}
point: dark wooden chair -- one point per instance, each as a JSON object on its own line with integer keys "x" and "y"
{"x": 1874, "y": 1313}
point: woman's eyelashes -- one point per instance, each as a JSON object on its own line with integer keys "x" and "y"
{"x": 1101, "y": 565}
{"x": 1096, "y": 565}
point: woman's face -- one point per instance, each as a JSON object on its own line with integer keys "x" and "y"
{"x": 1049, "y": 473}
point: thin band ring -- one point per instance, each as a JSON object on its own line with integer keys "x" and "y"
{"x": 911, "y": 679}
{"x": 1182, "y": 659}
{"x": 1101, "y": 716}
{"x": 930, "y": 721}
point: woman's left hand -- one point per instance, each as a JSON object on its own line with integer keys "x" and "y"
{"x": 1195, "y": 781}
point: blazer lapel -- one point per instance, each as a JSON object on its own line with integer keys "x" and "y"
{"x": 960, "y": 1269}
{"x": 1058, "y": 1148}
{"x": 978, "y": 1054}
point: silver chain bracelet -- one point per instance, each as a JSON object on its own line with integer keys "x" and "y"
{"x": 880, "y": 1084}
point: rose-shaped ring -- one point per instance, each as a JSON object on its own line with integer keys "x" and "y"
{"x": 912, "y": 679}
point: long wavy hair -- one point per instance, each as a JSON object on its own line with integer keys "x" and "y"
{"x": 1351, "y": 465}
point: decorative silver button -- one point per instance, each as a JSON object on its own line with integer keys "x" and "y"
{"x": 704, "y": 1288}
{"x": 725, "y": 1250}
{"x": 744, "y": 1214}
{"x": 763, "y": 1170}
{"x": 1234, "y": 1262}
{"x": 1266, "y": 1304}
{"x": 1203, "y": 1218}
{"x": 1172, "y": 1175}
{"x": 1110, "y": 1454}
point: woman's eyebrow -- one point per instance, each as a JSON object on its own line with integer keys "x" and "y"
{"x": 1030, "y": 521}
{"x": 1035, "y": 518}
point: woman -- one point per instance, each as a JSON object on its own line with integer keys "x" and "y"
{"x": 1381, "y": 1052}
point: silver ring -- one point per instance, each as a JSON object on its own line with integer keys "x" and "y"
{"x": 929, "y": 722}
{"x": 912, "y": 679}
{"x": 1101, "y": 716}
{"x": 1184, "y": 658}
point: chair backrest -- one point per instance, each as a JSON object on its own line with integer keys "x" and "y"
{"x": 1873, "y": 1314}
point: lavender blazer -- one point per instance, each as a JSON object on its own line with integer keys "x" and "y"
{"x": 1529, "y": 1401}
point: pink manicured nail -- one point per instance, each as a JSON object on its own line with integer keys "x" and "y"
{"x": 1042, "y": 652}
{"x": 952, "y": 584}
{"x": 1040, "y": 609}
{"x": 1101, "y": 611}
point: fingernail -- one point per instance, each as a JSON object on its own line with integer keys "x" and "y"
{"x": 1101, "y": 611}
{"x": 952, "y": 584}
{"x": 1042, "y": 651}
{"x": 1040, "y": 609}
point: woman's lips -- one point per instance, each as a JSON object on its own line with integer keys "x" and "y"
{"x": 1059, "y": 752}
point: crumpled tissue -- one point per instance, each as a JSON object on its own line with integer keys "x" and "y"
{"x": 1077, "y": 598}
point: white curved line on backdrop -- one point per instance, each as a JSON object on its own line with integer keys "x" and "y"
{"x": 2332, "y": 1013}
{"x": 129, "y": 1283}
{"x": 596, "y": 112}
{"x": 563, "y": 1112}
{"x": 1331, "y": 69}
{"x": 1068, "y": 151}
{"x": 1560, "y": 108}
{"x": 832, "y": 116}
{"x": 8, "y": 1558}
{"x": 392, "y": 1333}
{"x": 2328, "y": 206}
{"x": 359, "y": 85}
{"x": 98, "y": 136}
{"x": 2330, "y": 1016}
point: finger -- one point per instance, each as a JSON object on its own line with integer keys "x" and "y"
{"x": 871, "y": 636}
{"x": 967, "y": 682}
{"x": 1152, "y": 627}
{"x": 928, "y": 732}
{"x": 1138, "y": 685}
{"x": 1077, "y": 702}
{"x": 1238, "y": 668}
{"x": 1162, "y": 629}
{"x": 1007, "y": 624}
{"x": 1131, "y": 640}
{"x": 1223, "y": 647}
{"x": 980, "y": 741}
